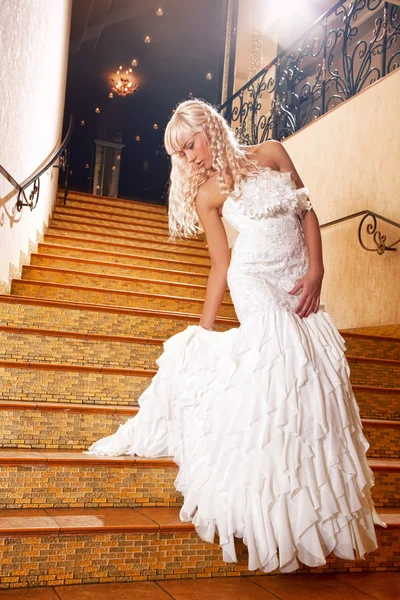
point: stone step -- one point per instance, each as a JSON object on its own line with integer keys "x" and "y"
{"x": 88, "y": 318}
{"x": 124, "y": 236}
{"x": 45, "y": 478}
{"x": 130, "y": 230}
{"x": 375, "y": 372}
{"x": 119, "y": 259}
{"x": 73, "y": 426}
{"x": 100, "y": 202}
{"x": 83, "y": 265}
{"x": 155, "y": 249}
{"x": 372, "y": 346}
{"x": 392, "y": 331}
{"x": 87, "y": 545}
{"x": 119, "y": 298}
{"x": 155, "y": 283}
{"x": 28, "y": 382}
{"x": 38, "y": 345}
{"x": 53, "y": 382}
{"x": 378, "y": 402}
{"x": 111, "y": 215}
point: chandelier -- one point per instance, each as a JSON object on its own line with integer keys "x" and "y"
{"x": 123, "y": 83}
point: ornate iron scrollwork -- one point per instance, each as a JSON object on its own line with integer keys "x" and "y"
{"x": 348, "y": 48}
{"x": 32, "y": 201}
{"x": 378, "y": 238}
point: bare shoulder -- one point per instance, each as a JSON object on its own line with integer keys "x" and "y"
{"x": 269, "y": 153}
{"x": 209, "y": 195}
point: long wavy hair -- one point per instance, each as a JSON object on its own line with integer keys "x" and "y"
{"x": 229, "y": 158}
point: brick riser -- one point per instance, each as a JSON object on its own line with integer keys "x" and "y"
{"x": 100, "y": 203}
{"x": 148, "y": 556}
{"x": 118, "y": 259}
{"x": 152, "y": 271}
{"x": 145, "y": 249}
{"x": 67, "y": 292}
{"x": 119, "y": 482}
{"x": 154, "y": 283}
{"x": 141, "y": 238}
{"x": 71, "y": 351}
{"x": 115, "y": 215}
{"x": 35, "y": 426}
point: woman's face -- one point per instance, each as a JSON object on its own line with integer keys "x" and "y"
{"x": 197, "y": 151}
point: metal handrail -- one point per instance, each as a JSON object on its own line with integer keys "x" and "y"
{"x": 371, "y": 228}
{"x": 62, "y": 153}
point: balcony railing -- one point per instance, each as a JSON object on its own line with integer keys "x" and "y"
{"x": 347, "y": 49}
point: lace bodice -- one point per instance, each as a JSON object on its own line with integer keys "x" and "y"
{"x": 269, "y": 252}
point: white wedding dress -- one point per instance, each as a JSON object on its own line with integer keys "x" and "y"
{"x": 261, "y": 419}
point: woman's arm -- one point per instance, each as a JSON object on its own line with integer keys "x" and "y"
{"x": 207, "y": 202}
{"x": 274, "y": 152}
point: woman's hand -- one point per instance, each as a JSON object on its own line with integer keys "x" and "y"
{"x": 311, "y": 291}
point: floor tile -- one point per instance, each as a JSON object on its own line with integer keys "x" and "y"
{"x": 110, "y": 591}
{"x": 21, "y": 520}
{"x": 32, "y": 594}
{"x": 90, "y": 519}
{"x": 19, "y": 454}
{"x": 166, "y": 517}
{"x": 227, "y": 588}
{"x": 309, "y": 587}
{"x": 382, "y": 586}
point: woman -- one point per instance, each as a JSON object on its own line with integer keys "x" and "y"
{"x": 261, "y": 419}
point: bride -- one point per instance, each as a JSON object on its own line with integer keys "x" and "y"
{"x": 260, "y": 419}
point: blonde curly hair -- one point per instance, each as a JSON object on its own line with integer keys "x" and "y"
{"x": 229, "y": 159}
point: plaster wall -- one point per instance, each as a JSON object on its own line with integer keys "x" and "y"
{"x": 34, "y": 39}
{"x": 349, "y": 159}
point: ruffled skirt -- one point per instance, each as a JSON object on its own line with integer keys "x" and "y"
{"x": 265, "y": 429}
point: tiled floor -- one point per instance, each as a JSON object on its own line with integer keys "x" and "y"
{"x": 351, "y": 586}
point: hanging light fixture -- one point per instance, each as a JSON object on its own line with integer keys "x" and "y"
{"x": 159, "y": 11}
{"x": 147, "y": 39}
{"x": 123, "y": 83}
{"x": 134, "y": 62}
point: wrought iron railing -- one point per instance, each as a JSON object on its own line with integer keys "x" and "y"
{"x": 378, "y": 238}
{"x": 61, "y": 153}
{"x": 347, "y": 49}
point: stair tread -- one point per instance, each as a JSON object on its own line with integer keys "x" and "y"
{"x": 102, "y": 520}
{"x": 161, "y": 282}
{"x": 128, "y": 310}
{"x": 110, "y": 291}
{"x": 80, "y": 335}
{"x": 103, "y": 263}
{"x": 170, "y": 249}
{"x": 196, "y": 246}
{"x": 110, "y": 253}
{"x": 132, "y": 410}
{"x": 54, "y": 455}
{"x": 86, "y": 198}
{"x": 110, "y": 409}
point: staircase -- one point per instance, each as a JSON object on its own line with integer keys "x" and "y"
{"x": 80, "y": 335}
